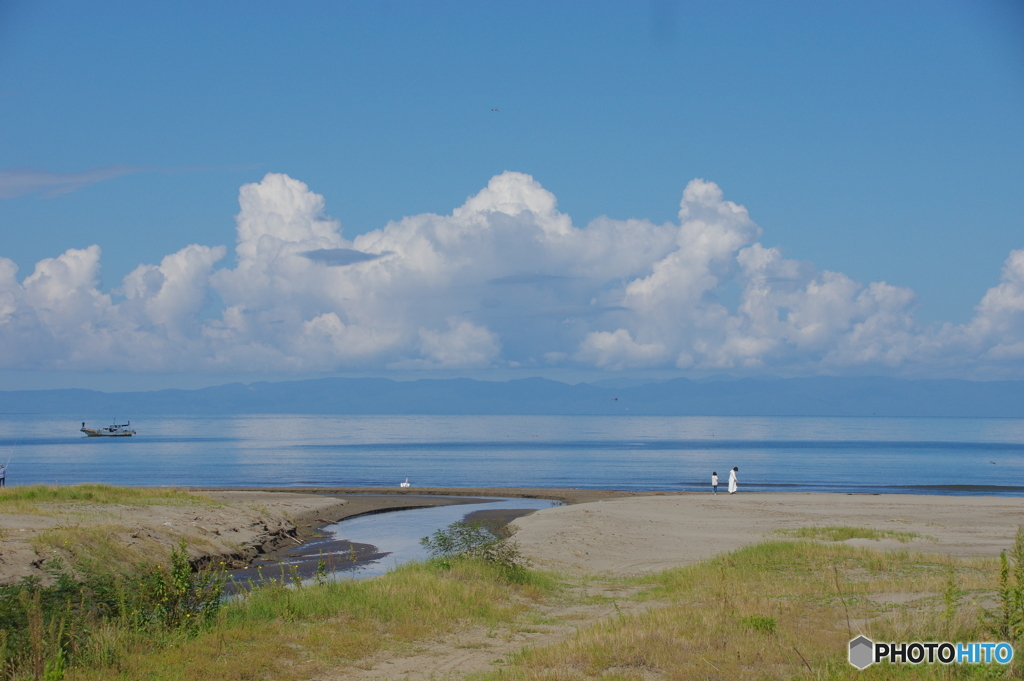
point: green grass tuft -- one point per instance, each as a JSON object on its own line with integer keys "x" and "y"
{"x": 764, "y": 625}
{"x": 843, "y": 532}
{"x": 100, "y": 494}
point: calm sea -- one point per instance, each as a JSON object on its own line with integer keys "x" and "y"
{"x": 873, "y": 455}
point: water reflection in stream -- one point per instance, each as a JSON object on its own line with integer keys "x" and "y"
{"x": 397, "y": 534}
{"x": 370, "y": 545}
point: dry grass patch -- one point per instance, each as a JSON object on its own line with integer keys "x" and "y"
{"x": 88, "y": 514}
{"x": 112, "y": 548}
{"x": 100, "y": 546}
{"x": 778, "y": 610}
{"x": 286, "y": 633}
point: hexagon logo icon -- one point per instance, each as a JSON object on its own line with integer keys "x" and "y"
{"x": 862, "y": 652}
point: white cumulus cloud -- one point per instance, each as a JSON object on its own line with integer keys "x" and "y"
{"x": 505, "y": 280}
{"x": 618, "y": 350}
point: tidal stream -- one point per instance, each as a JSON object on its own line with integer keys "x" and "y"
{"x": 370, "y": 545}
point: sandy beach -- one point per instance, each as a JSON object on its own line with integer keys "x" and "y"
{"x": 603, "y": 531}
{"x": 644, "y": 534}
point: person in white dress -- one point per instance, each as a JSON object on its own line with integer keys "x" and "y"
{"x": 733, "y": 480}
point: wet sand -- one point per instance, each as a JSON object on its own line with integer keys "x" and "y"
{"x": 566, "y": 495}
{"x": 497, "y": 519}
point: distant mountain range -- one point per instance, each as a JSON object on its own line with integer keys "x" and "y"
{"x": 821, "y": 396}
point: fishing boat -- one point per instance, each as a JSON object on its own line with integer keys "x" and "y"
{"x": 113, "y": 430}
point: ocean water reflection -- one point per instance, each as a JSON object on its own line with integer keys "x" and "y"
{"x": 852, "y": 454}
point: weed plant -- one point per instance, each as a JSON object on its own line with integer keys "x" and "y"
{"x": 462, "y": 540}
{"x": 1008, "y": 621}
{"x": 91, "y": 617}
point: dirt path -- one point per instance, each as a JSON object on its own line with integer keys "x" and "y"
{"x": 481, "y": 649}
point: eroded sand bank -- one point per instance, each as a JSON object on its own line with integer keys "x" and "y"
{"x": 241, "y": 526}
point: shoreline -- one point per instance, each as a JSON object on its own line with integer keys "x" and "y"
{"x": 576, "y": 495}
{"x": 567, "y": 495}
{"x": 620, "y": 531}
{"x": 359, "y": 501}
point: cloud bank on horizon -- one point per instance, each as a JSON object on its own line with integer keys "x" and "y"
{"x": 506, "y": 280}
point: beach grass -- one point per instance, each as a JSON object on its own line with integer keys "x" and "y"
{"x": 779, "y": 610}
{"x": 782, "y": 609}
{"x": 283, "y": 631}
{"x": 100, "y": 547}
{"x": 844, "y": 532}
{"x": 40, "y": 499}
{"x": 88, "y": 530}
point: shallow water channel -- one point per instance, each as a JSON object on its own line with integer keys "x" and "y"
{"x": 370, "y": 545}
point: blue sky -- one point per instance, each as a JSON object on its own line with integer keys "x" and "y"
{"x": 881, "y": 141}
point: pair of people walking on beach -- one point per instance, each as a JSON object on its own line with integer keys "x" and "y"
{"x": 733, "y": 480}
